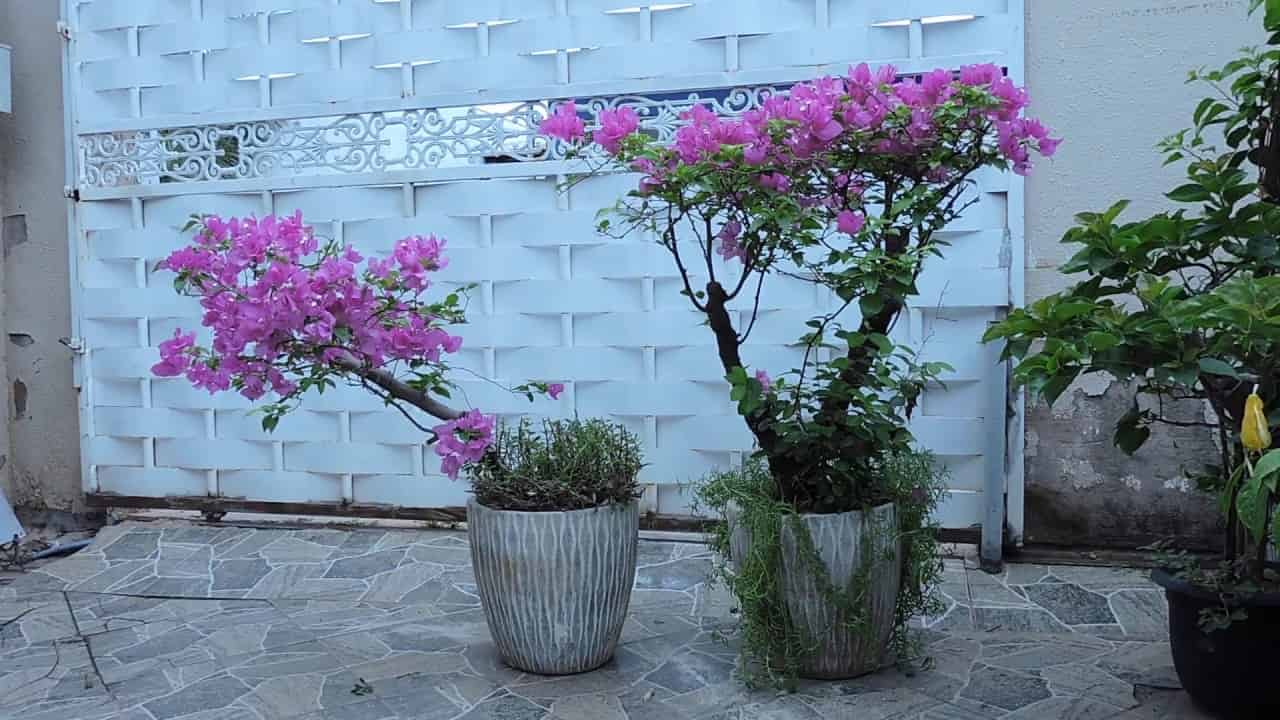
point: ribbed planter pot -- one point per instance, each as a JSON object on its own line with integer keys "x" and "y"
{"x": 840, "y": 540}
{"x": 555, "y": 586}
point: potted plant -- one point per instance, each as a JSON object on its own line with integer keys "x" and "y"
{"x": 554, "y": 520}
{"x": 1185, "y": 306}
{"x": 843, "y": 182}
{"x": 553, "y": 529}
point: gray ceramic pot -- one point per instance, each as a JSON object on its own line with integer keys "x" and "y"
{"x": 555, "y": 586}
{"x": 839, "y": 540}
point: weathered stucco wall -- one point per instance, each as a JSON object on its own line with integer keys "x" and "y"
{"x": 44, "y": 456}
{"x": 1109, "y": 75}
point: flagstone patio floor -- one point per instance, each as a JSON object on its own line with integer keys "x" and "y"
{"x": 171, "y": 620}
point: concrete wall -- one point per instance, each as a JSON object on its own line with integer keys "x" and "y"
{"x": 1109, "y": 75}
{"x": 43, "y": 425}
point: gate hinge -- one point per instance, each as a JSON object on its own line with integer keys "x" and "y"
{"x": 71, "y": 193}
{"x": 75, "y": 344}
{"x": 64, "y": 29}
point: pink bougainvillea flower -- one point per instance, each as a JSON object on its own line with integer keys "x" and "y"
{"x": 766, "y": 382}
{"x": 776, "y": 181}
{"x": 554, "y": 390}
{"x": 463, "y": 440}
{"x": 614, "y": 126}
{"x": 175, "y": 355}
{"x": 564, "y": 123}
{"x": 730, "y": 248}
{"x": 850, "y": 222}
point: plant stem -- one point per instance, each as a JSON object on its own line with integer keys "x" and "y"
{"x": 1264, "y": 541}
{"x": 399, "y": 390}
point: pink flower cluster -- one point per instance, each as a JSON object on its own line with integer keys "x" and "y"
{"x": 564, "y": 123}
{"x": 463, "y": 441}
{"x": 412, "y": 260}
{"x": 615, "y": 125}
{"x": 282, "y": 306}
{"x": 832, "y": 110}
{"x": 868, "y": 114}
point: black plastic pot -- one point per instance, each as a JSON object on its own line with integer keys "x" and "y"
{"x": 1230, "y": 673}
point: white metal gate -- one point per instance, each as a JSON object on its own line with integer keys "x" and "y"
{"x": 381, "y": 118}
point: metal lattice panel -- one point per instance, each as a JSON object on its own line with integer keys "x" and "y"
{"x": 366, "y": 142}
{"x": 375, "y": 120}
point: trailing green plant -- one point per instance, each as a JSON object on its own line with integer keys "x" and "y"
{"x": 773, "y": 646}
{"x": 1185, "y": 305}
{"x": 561, "y": 465}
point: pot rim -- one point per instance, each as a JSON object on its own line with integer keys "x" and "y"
{"x": 733, "y": 506}
{"x": 472, "y": 503}
{"x": 873, "y": 508}
{"x": 1178, "y": 586}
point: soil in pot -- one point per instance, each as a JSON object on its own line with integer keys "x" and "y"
{"x": 860, "y": 552}
{"x": 1229, "y": 672}
{"x": 555, "y": 586}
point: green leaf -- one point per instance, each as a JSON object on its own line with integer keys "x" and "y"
{"x": 1267, "y": 469}
{"x": 1201, "y": 109}
{"x": 1073, "y": 308}
{"x": 1114, "y": 211}
{"x": 1101, "y": 341}
{"x": 1214, "y": 366}
{"x": 1229, "y": 490}
{"x": 1275, "y": 528}
{"x": 1130, "y": 438}
{"x": 1251, "y": 507}
{"x": 1271, "y": 20}
{"x": 1057, "y": 385}
{"x": 1131, "y": 432}
{"x": 870, "y": 305}
{"x": 1191, "y": 192}
{"x": 882, "y": 342}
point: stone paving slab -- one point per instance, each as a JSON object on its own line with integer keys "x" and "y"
{"x": 174, "y": 621}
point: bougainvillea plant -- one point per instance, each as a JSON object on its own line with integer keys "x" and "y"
{"x": 843, "y": 182}
{"x": 290, "y": 312}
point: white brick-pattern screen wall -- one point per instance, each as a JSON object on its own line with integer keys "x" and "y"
{"x": 374, "y": 119}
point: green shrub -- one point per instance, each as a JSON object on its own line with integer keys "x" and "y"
{"x": 563, "y": 465}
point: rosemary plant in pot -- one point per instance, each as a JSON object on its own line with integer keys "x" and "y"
{"x": 1185, "y": 306}
{"x": 553, "y": 528}
{"x": 844, "y": 183}
{"x": 554, "y": 520}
